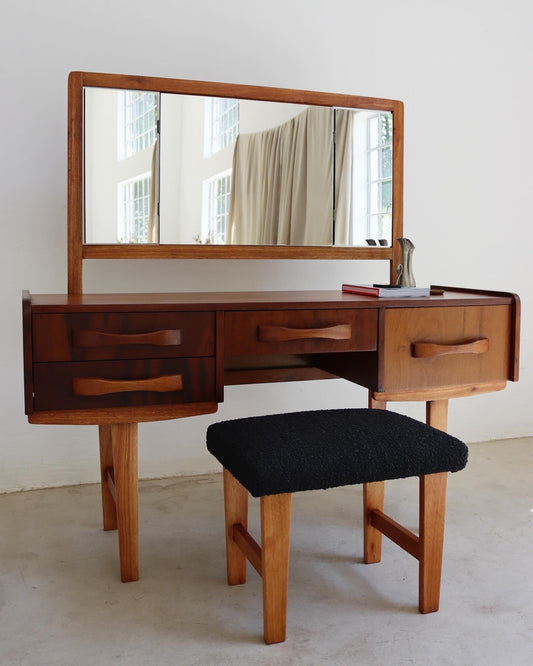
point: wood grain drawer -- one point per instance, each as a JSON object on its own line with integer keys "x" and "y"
{"x": 86, "y": 385}
{"x": 101, "y": 336}
{"x": 300, "y": 331}
{"x": 446, "y": 346}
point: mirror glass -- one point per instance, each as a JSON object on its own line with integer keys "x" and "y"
{"x": 163, "y": 168}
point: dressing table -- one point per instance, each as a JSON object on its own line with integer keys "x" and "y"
{"x": 115, "y": 360}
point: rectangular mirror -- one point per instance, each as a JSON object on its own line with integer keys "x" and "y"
{"x": 184, "y": 169}
{"x": 295, "y": 174}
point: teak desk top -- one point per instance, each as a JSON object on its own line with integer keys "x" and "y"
{"x": 250, "y": 300}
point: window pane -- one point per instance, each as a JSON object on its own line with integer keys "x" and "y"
{"x": 379, "y": 176}
{"x": 134, "y": 201}
{"x": 138, "y": 121}
{"x": 386, "y": 128}
{"x": 374, "y": 198}
{"x": 374, "y": 168}
{"x": 222, "y": 123}
{"x": 386, "y": 162}
{"x": 216, "y": 208}
{"x": 386, "y": 195}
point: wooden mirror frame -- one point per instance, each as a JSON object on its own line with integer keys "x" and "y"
{"x": 78, "y": 250}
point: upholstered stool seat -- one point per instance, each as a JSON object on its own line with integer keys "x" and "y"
{"x": 273, "y": 456}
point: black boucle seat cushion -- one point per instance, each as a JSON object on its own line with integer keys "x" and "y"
{"x": 285, "y": 453}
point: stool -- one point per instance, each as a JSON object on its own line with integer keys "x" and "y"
{"x": 273, "y": 456}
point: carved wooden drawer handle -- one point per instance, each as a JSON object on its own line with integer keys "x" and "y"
{"x": 284, "y": 334}
{"x": 428, "y": 349}
{"x": 81, "y": 338}
{"x": 99, "y": 386}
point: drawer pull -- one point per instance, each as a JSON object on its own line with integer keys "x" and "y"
{"x": 99, "y": 386}
{"x": 428, "y": 349}
{"x": 168, "y": 338}
{"x": 284, "y": 334}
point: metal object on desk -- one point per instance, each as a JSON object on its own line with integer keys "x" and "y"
{"x": 405, "y": 269}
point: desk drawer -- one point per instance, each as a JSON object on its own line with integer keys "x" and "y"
{"x": 446, "y": 346}
{"x": 300, "y": 331}
{"x": 121, "y": 335}
{"x": 86, "y": 385}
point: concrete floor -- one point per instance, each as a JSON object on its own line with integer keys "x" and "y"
{"x": 61, "y": 602}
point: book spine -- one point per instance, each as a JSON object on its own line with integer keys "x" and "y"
{"x": 365, "y": 291}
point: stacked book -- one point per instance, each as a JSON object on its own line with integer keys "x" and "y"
{"x": 386, "y": 290}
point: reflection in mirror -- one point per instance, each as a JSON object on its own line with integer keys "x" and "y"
{"x": 186, "y": 169}
{"x": 121, "y": 166}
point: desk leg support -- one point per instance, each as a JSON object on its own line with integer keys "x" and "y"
{"x": 375, "y": 404}
{"x": 437, "y": 414}
{"x": 118, "y": 462}
{"x": 436, "y": 410}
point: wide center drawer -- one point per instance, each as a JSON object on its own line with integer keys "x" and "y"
{"x": 121, "y": 335}
{"x": 96, "y": 384}
{"x": 300, "y": 331}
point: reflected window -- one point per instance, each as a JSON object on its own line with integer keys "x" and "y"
{"x": 216, "y": 198}
{"x": 134, "y": 209}
{"x": 379, "y": 175}
{"x": 221, "y": 123}
{"x": 137, "y": 121}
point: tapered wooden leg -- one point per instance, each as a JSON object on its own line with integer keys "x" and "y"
{"x": 109, "y": 509}
{"x": 432, "y": 514}
{"x": 373, "y": 498}
{"x": 236, "y": 511}
{"x": 437, "y": 414}
{"x": 375, "y": 404}
{"x": 124, "y": 436}
{"x": 275, "y": 544}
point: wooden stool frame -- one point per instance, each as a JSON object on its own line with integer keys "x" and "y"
{"x": 271, "y": 558}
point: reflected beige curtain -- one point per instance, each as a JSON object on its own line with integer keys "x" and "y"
{"x": 282, "y": 183}
{"x": 344, "y": 177}
{"x": 153, "y": 220}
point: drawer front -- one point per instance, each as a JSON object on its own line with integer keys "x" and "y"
{"x": 102, "y": 336}
{"x": 88, "y": 385}
{"x": 446, "y": 346}
{"x": 299, "y": 331}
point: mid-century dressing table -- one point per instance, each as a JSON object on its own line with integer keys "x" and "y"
{"x": 115, "y": 360}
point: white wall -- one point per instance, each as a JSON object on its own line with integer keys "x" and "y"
{"x": 463, "y": 69}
